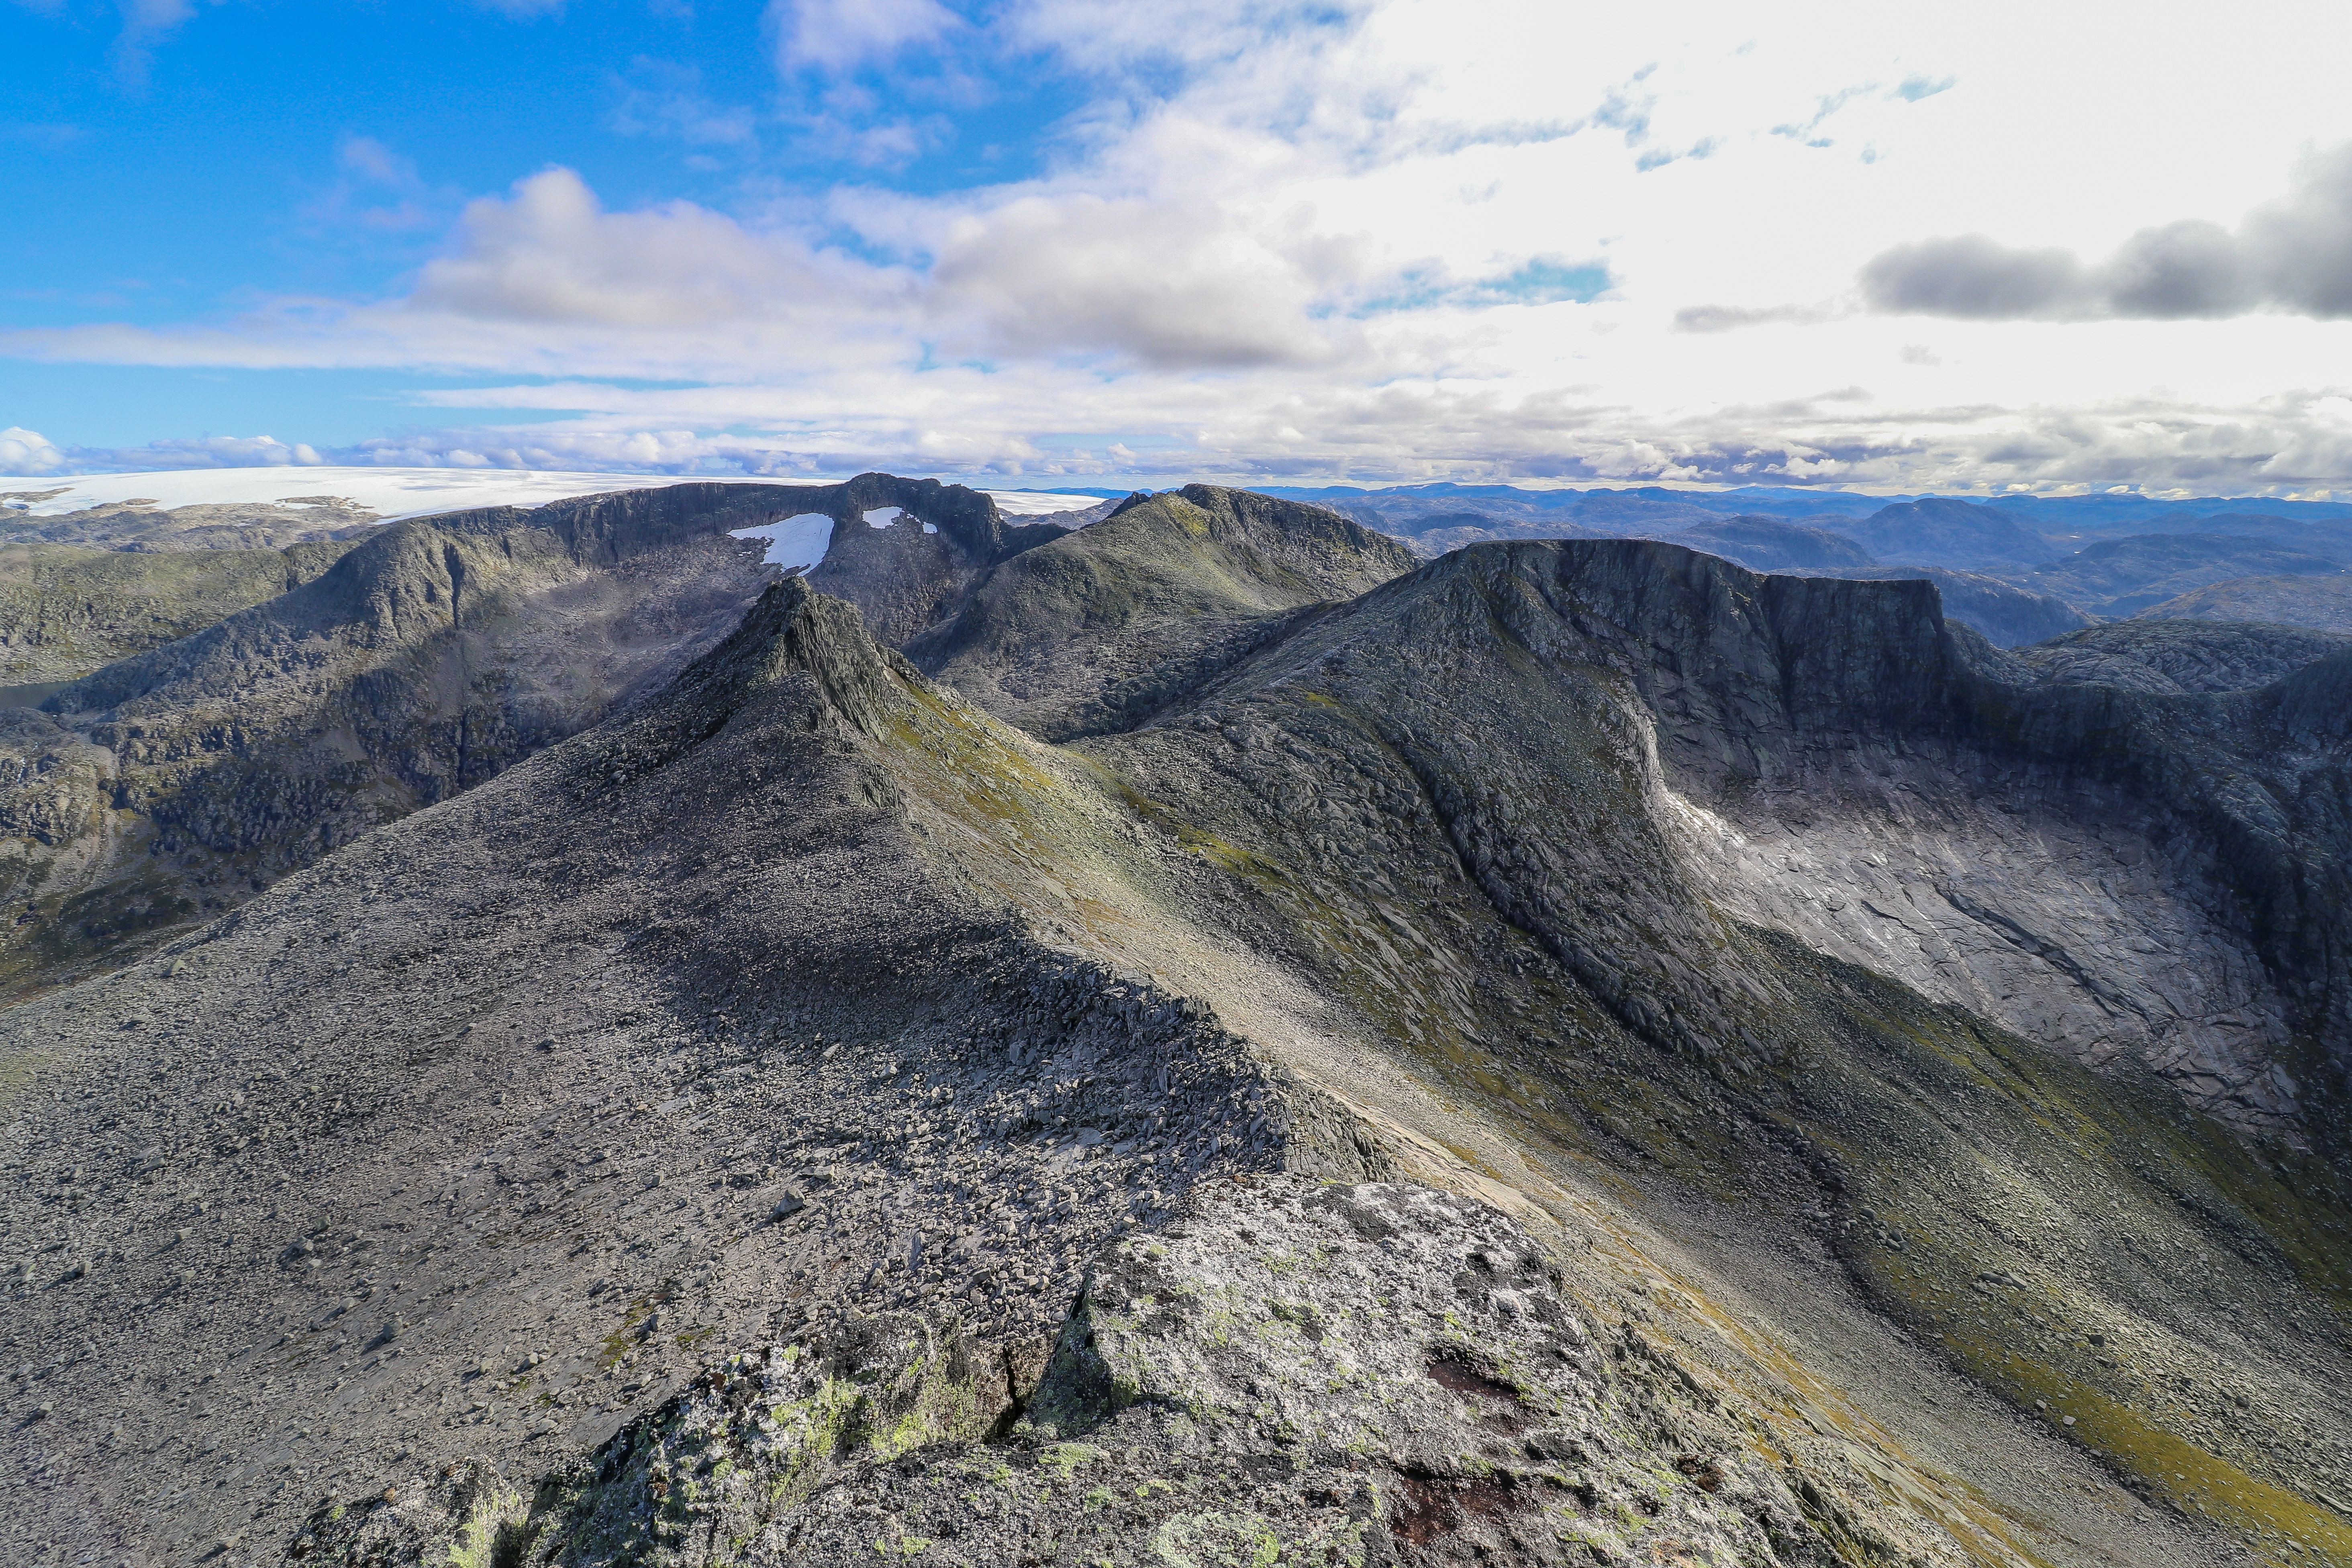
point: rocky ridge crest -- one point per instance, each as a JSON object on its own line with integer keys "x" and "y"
{"x": 1555, "y": 874}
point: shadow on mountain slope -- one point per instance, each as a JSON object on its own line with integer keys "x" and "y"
{"x": 711, "y": 1113}
{"x": 1700, "y": 808}
{"x": 171, "y": 785}
{"x": 1092, "y": 631}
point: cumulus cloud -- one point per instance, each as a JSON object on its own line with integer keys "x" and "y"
{"x": 1387, "y": 239}
{"x": 1169, "y": 283}
{"x": 2293, "y": 255}
{"x": 24, "y": 451}
{"x": 27, "y": 452}
{"x": 551, "y": 253}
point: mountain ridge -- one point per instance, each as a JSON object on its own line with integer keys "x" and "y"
{"x": 1889, "y": 1094}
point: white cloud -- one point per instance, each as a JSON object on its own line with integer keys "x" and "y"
{"x": 1331, "y": 239}
{"x": 551, "y": 254}
{"x": 24, "y": 451}
{"x": 836, "y": 35}
{"x": 1170, "y": 283}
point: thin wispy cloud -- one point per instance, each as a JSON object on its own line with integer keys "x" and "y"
{"x": 837, "y": 35}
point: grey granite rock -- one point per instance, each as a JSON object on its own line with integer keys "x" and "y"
{"x": 1096, "y": 630}
{"x": 1297, "y": 1373}
{"x": 2181, "y": 655}
{"x": 498, "y": 1159}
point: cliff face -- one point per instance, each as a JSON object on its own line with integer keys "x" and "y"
{"x": 2114, "y": 872}
{"x": 906, "y": 574}
{"x": 1576, "y": 1048}
{"x": 1884, "y": 896}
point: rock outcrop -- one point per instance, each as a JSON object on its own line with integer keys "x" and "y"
{"x": 1575, "y": 1048}
{"x": 2181, "y": 655}
{"x": 909, "y": 552}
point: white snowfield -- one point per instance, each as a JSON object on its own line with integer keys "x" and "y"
{"x": 798, "y": 542}
{"x": 393, "y": 493}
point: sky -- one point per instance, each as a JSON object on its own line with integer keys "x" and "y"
{"x": 2050, "y": 247}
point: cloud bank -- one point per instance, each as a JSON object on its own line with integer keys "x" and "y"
{"x": 2292, "y": 255}
{"x": 1382, "y": 239}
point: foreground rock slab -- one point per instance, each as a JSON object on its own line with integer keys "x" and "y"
{"x": 1297, "y": 1373}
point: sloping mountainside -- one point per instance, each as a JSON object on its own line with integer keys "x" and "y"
{"x": 65, "y": 611}
{"x": 2330, "y": 536}
{"x": 144, "y": 526}
{"x": 1498, "y": 511}
{"x": 908, "y": 553}
{"x": 2181, "y": 655}
{"x": 1575, "y": 1052}
{"x": 170, "y": 784}
{"x": 2006, "y": 613}
{"x": 1958, "y": 536}
{"x": 1094, "y": 630}
{"x": 2318, "y": 604}
{"x": 1770, "y": 545}
{"x": 2123, "y": 577}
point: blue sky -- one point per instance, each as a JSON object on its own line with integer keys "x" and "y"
{"x": 1041, "y": 239}
{"x": 168, "y": 171}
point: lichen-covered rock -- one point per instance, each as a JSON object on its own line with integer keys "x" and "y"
{"x": 808, "y": 1005}
{"x": 1295, "y": 1374}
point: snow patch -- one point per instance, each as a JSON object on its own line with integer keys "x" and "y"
{"x": 1036, "y": 504}
{"x": 883, "y": 516}
{"x": 793, "y": 543}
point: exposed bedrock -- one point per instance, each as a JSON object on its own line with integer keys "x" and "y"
{"x": 1634, "y": 747}
{"x": 1097, "y": 629}
{"x": 171, "y": 785}
{"x": 1297, "y": 1373}
{"x": 806, "y": 1115}
{"x": 905, "y": 572}
{"x": 675, "y": 1038}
